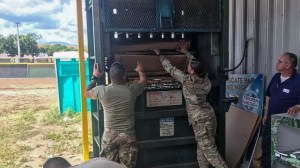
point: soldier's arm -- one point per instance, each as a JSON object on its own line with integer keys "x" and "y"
{"x": 183, "y": 49}
{"x": 172, "y": 70}
{"x": 96, "y": 74}
{"x": 88, "y": 92}
{"x": 140, "y": 70}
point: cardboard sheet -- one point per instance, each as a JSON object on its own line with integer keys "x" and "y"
{"x": 240, "y": 127}
{"x": 146, "y": 45}
{"x": 150, "y": 63}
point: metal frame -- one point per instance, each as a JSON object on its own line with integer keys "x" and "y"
{"x": 99, "y": 48}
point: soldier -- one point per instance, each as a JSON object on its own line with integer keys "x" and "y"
{"x": 201, "y": 116}
{"x": 118, "y": 98}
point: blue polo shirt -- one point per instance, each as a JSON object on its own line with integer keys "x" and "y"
{"x": 283, "y": 95}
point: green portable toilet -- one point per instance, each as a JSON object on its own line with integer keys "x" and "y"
{"x": 68, "y": 82}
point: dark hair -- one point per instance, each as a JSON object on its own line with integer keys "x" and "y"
{"x": 117, "y": 71}
{"x": 56, "y": 162}
{"x": 198, "y": 67}
{"x": 293, "y": 58}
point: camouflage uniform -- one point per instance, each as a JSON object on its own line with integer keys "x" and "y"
{"x": 119, "y": 146}
{"x": 118, "y": 140}
{"x": 200, "y": 114}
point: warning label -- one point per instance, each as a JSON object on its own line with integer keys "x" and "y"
{"x": 167, "y": 126}
{"x": 164, "y": 98}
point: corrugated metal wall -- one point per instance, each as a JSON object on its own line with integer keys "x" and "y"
{"x": 272, "y": 27}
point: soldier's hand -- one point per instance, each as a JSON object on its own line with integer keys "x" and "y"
{"x": 183, "y": 47}
{"x": 96, "y": 71}
{"x": 139, "y": 67}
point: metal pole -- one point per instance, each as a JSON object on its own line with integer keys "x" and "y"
{"x": 85, "y": 144}
{"x": 18, "y": 39}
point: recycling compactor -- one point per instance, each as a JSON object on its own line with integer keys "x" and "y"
{"x": 124, "y": 31}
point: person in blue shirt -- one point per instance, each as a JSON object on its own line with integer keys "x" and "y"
{"x": 282, "y": 96}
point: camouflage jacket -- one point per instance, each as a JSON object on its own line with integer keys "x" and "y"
{"x": 195, "y": 90}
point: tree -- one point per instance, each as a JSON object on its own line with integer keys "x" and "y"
{"x": 9, "y": 45}
{"x": 29, "y": 44}
{"x": 42, "y": 50}
{"x": 1, "y": 44}
{"x": 50, "y": 49}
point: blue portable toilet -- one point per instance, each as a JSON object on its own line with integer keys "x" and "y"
{"x": 68, "y": 82}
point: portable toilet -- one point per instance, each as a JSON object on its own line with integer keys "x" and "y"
{"x": 68, "y": 82}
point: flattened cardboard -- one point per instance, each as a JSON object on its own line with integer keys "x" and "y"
{"x": 240, "y": 126}
{"x": 150, "y": 63}
{"x": 146, "y": 46}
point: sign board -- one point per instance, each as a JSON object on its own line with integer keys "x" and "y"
{"x": 249, "y": 90}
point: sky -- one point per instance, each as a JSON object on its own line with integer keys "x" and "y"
{"x": 54, "y": 20}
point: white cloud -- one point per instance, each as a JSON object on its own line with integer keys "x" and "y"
{"x": 25, "y": 7}
{"x": 55, "y": 20}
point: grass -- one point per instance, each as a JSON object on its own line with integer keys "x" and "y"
{"x": 54, "y": 117}
{"x": 16, "y": 127}
{"x": 68, "y": 140}
{"x": 25, "y": 148}
{"x": 29, "y": 117}
{"x": 62, "y": 131}
{"x": 8, "y": 156}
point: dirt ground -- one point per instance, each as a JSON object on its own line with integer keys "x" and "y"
{"x": 17, "y": 95}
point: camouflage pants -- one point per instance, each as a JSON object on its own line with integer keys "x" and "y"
{"x": 207, "y": 153}
{"x": 119, "y": 146}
